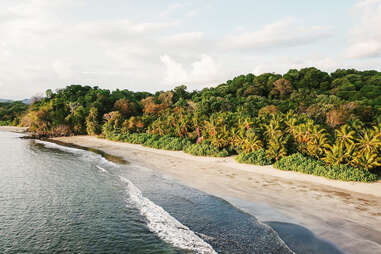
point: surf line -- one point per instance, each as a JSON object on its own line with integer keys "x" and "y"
{"x": 101, "y": 169}
{"x": 164, "y": 225}
{"x": 86, "y": 154}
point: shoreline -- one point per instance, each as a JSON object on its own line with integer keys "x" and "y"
{"x": 14, "y": 129}
{"x": 372, "y": 188}
{"x": 313, "y": 209}
{"x": 349, "y": 219}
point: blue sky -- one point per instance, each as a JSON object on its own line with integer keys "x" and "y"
{"x": 156, "y": 45}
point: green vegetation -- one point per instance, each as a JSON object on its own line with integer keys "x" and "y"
{"x": 298, "y": 162}
{"x": 258, "y": 158}
{"x": 334, "y": 119}
{"x": 169, "y": 143}
{"x": 11, "y": 112}
{"x": 205, "y": 149}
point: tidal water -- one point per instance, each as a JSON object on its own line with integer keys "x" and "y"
{"x": 58, "y": 199}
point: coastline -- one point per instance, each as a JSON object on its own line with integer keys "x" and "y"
{"x": 306, "y": 207}
{"x": 14, "y": 129}
{"x": 348, "y": 219}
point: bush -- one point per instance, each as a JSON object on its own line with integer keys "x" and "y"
{"x": 258, "y": 158}
{"x": 5, "y": 123}
{"x": 205, "y": 150}
{"x": 169, "y": 143}
{"x": 298, "y": 162}
{"x": 166, "y": 143}
{"x": 150, "y": 140}
{"x": 61, "y": 131}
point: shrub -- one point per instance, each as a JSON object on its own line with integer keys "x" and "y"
{"x": 205, "y": 150}
{"x": 137, "y": 138}
{"x": 61, "y": 131}
{"x": 258, "y": 158}
{"x": 151, "y": 140}
{"x": 5, "y": 123}
{"x": 166, "y": 143}
{"x": 169, "y": 143}
{"x": 298, "y": 162}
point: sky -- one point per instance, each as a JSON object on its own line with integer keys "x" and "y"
{"x": 155, "y": 45}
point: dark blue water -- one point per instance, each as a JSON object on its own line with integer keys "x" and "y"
{"x": 56, "y": 199}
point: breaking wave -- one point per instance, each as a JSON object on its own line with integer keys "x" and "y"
{"x": 83, "y": 153}
{"x": 164, "y": 225}
{"x": 101, "y": 169}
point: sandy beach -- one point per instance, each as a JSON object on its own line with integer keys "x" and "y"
{"x": 345, "y": 213}
{"x": 13, "y": 129}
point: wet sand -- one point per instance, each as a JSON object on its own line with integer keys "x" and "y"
{"x": 326, "y": 208}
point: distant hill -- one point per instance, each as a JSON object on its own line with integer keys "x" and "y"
{"x": 25, "y": 101}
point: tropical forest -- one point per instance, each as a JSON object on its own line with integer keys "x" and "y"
{"x": 314, "y": 122}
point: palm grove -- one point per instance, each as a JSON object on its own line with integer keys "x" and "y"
{"x": 305, "y": 120}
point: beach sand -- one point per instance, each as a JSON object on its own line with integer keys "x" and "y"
{"x": 346, "y": 214}
{"x": 13, "y": 129}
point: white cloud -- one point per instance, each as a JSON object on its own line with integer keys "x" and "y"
{"x": 282, "y": 64}
{"x": 204, "y": 70}
{"x": 284, "y": 33}
{"x": 118, "y": 30}
{"x": 366, "y": 3}
{"x": 63, "y": 70}
{"x": 368, "y": 48}
{"x": 365, "y": 37}
{"x": 200, "y": 73}
{"x": 50, "y": 44}
{"x": 183, "y": 39}
{"x": 152, "y": 26}
{"x": 38, "y": 51}
{"x": 175, "y": 72}
{"x": 191, "y": 13}
{"x": 171, "y": 9}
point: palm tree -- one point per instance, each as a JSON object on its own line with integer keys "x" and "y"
{"x": 335, "y": 154}
{"x": 318, "y": 143}
{"x": 345, "y": 136}
{"x": 369, "y": 141}
{"x": 291, "y": 125}
{"x": 303, "y": 136}
{"x": 356, "y": 124}
{"x": 366, "y": 160}
{"x": 273, "y": 129}
{"x": 277, "y": 148}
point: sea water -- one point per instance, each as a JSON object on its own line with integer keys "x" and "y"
{"x": 58, "y": 199}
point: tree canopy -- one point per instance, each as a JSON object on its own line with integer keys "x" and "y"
{"x": 334, "y": 118}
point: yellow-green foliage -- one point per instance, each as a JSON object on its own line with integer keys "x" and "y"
{"x": 333, "y": 118}
{"x": 298, "y": 162}
{"x": 257, "y": 158}
{"x": 205, "y": 150}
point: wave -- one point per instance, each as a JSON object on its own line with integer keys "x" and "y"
{"x": 83, "y": 153}
{"x": 164, "y": 225}
{"x": 101, "y": 169}
{"x": 55, "y": 146}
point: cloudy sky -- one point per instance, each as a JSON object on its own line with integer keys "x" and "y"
{"x": 154, "y": 45}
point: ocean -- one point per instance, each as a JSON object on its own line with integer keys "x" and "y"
{"x": 60, "y": 199}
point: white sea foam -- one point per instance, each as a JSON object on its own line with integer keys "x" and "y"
{"x": 84, "y": 154}
{"x": 56, "y": 146}
{"x": 164, "y": 225}
{"x": 101, "y": 169}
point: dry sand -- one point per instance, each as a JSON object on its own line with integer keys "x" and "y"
{"x": 346, "y": 214}
{"x": 13, "y": 129}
